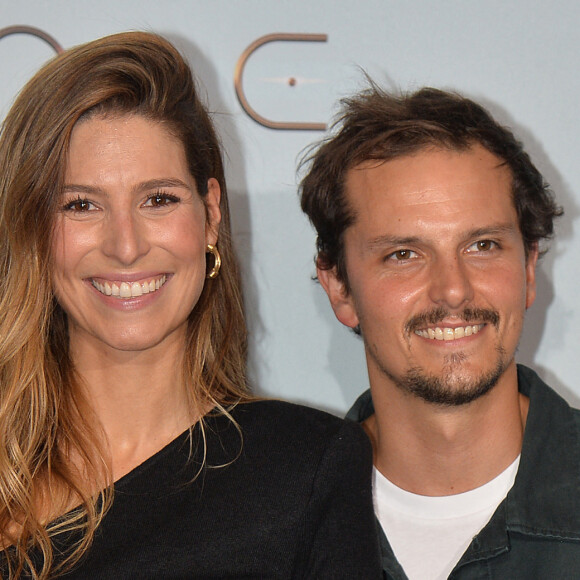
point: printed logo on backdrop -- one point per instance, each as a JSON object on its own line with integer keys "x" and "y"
{"x": 238, "y": 73}
{"x": 291, "y": 81}
{"x": 32, "y": 31}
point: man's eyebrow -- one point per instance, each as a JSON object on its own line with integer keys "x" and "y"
{"x": 388, "y": 240}
{"x": 492, "y": 230}
{"x": 143, "y": 186}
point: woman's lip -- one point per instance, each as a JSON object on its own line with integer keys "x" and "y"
{"x": 127, "y": 277}
{"x": 129, "y": 290}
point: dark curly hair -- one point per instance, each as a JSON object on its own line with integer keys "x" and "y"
{"x": 377, "y": 125}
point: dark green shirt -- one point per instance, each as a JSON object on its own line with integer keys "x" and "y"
{"x": 535, "y": 531}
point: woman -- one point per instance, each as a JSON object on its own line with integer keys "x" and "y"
{"x": 130, "y": 446}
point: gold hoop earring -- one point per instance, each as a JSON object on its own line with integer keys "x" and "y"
{"x": 217, "y": 261}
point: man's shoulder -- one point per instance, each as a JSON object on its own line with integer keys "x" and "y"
{"x": 547, "y": 488}
{"x": 362, "y": 408}
{"x": 534, "y": 387}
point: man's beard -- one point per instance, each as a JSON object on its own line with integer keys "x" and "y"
{"x": 451, "y": 388}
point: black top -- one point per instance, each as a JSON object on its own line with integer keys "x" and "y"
{"x": 289, "y": 498}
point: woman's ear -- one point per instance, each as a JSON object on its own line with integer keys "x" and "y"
{"x": 214, "y": 215}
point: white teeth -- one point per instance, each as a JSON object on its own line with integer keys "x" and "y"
{"x": 447, "y": 333}
{"x": 125, "y": 290}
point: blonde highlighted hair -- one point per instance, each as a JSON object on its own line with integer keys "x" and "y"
{"x": 40, "y": 403}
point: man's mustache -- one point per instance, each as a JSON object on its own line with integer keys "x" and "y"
{"x": 479, "y": 315}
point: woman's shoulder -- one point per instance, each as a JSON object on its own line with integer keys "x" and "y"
{"x": 286, "y": 438}
{"x": 296, "y": 424}
{"x": 275, "y": 411}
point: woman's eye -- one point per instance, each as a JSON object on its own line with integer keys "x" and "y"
{"x": 79, "y": 205}
{"x": 401, "y": 255}
{"x": 482, "y": 246}
{"x": 161, "y": 200}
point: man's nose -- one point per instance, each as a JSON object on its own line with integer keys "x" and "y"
{"x": 450, "y": 283}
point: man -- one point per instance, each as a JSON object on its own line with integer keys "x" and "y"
{"x": 430, "y": 217}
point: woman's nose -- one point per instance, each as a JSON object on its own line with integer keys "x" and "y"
{"x": 125, "y": 238}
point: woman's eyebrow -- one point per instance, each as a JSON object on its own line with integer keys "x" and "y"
{"x": 78, "y": 188}
{"x": 160, "y": 183}
{"x": 143, "y": 186}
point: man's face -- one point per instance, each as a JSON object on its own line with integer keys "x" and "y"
{"x": 438, "y": 276}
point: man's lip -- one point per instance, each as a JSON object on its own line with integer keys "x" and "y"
{"x": 444, "y": 332}
{"x": 456, "y": 323}
{"x": 442, "y": 317}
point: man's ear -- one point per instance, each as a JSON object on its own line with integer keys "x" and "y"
{"x": 531, "y": 262}
{"x": 340, "y": 298}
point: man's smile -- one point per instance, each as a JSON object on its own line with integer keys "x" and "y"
{"x": 448, "y": 333}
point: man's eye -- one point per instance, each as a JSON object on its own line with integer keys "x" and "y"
{"x": 401, "y": 255}
{"x": 79, "y": 205}
{"x": 161, "y": 200}
{"x": 482, "y": 246}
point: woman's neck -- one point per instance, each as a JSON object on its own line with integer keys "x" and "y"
{"x": 138, "y": 399}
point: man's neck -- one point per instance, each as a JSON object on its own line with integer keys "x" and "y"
{"x": 432, "y": 450}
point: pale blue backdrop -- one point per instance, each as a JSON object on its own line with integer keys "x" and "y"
{"x": 518, "y": 57}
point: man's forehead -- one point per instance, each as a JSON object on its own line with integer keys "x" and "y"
{"x": 404, "y": 167}
{"x": 439, "y": 187}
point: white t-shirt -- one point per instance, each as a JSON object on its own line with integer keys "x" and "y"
{"x": 430, "y": 534}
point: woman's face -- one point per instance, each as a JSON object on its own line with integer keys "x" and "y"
{"x": 128, "y": 251}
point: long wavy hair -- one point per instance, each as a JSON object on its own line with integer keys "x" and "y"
{"x": 40, "y": 403}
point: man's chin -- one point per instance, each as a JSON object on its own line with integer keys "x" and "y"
{"x": 455, "y": 386}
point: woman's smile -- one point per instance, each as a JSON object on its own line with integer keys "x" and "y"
{"x": 125, "y": 290}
